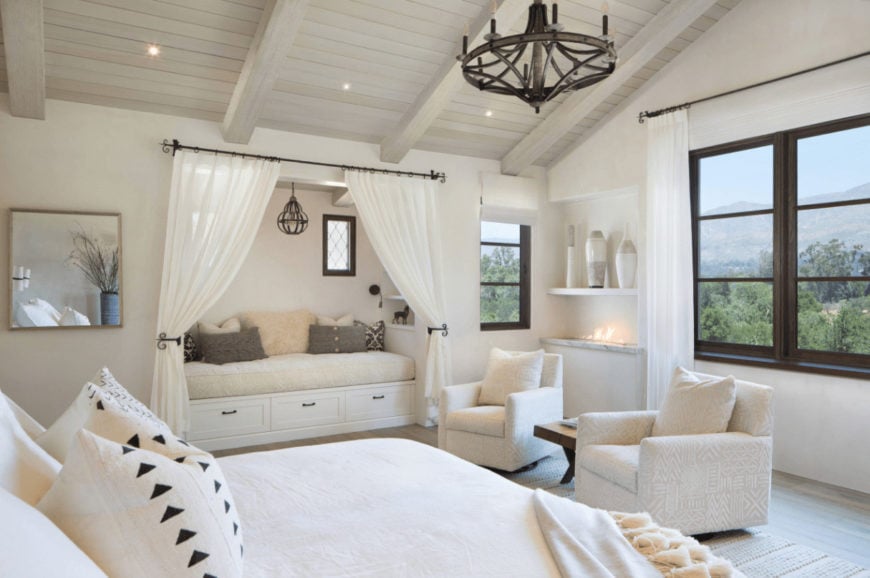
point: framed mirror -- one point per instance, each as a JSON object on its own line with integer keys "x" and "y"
{"x": 66, "y": 269}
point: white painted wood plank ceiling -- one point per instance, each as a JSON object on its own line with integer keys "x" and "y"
{"x": 354, "y": 70}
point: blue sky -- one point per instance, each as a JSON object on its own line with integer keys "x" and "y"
{"x": 826, "y": 164}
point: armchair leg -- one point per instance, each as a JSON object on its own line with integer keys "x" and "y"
{"x": 569, "y": 473}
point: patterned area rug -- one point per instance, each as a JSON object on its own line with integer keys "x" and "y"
{"x": 754, "y": 553}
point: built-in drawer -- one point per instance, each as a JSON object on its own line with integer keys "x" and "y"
{"x": 224, "y": 418}
{"x": 379, "y": 402}
{"x": 303, "y": 410}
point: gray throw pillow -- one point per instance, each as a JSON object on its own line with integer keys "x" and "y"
{"x": 374, "y": 335}
{"x": 336, "y": 339}
{"x": 223, "y": 348}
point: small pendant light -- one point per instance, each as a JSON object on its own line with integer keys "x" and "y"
{"x": 292, "y": 220}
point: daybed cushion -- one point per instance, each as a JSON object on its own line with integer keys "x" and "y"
{"x": 33, "y": 546}
{"x": 296, "y": 372}
{"x": 282, "y": 332}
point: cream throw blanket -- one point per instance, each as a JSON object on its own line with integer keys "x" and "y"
{"x": 586, "y": 542}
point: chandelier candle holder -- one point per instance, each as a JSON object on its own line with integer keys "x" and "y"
{"x": 542, "y": 62}
{"x": 21, "y": 278}
{"x": 293, "y": 220}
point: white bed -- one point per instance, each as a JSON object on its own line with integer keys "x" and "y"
{"x": 388, "y": 507}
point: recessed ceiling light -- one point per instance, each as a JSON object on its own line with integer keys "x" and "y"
{"x": 153, "y": 50}
{"x": 488, "y": 113}
{"x": 345, "y": 86}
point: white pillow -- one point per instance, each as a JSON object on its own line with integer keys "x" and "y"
{"x": 72, "y": 317}
{"x": 510, "y": 372}
{"x": 231, "y": 325}
{"x": 138, "y": 513}
{"x": 28, "y": 315}
{"x": 342, "y": 321}
{"x": 47, "y": 307}
{"x": 695, "y": 405}
{"x": 31, "y": 546}
{"x": 30, "y": 426}
{"x": 281, "y": 332}
{"x": 26, "y": 470}
{"x": 57, "y": 438}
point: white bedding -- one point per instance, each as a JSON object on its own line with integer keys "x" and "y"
{"x": 387, "y": 507}
{"x": 296, "y": 372}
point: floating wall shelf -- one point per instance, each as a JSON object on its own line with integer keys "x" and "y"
{"x": 576, "y": 291}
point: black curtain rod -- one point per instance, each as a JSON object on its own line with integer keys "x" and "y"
{"x": 661, "y": 111}
{"x": 176, "y": 146}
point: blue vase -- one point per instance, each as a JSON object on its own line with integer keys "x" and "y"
{"x": 110, "y": 309}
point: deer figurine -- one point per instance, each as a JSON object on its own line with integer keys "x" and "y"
{"x": 401, "y": 316}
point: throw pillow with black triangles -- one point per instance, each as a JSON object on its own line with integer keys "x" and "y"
{"x": 138, "y": 513}
{"x": 57, "y": 438}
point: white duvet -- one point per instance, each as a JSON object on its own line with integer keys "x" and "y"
{"x": 388, "y": 507}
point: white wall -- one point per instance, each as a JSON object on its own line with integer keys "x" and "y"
{"x": 99, "y": 159}
{"x": 284, "y": 272}
{"x": 821, "y": 422}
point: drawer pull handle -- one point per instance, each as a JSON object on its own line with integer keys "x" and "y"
{"x": 377, "y": 397}
{"x": 309, "y": 404}
{"x": 229, "y": 412}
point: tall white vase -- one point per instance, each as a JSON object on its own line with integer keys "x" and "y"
{"x": 626, "y": 262}
{"x": 596, "y": 259}
{"x": 570, "y": 267}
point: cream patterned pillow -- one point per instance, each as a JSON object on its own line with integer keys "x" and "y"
{"x": 695, "y": 405}
{"x": 136, "y": 512}
{"x": 510, "y": 372}
{"x": 342, "y": 321}
{"x": 26, "y": 470}
{"x": 281, "y": 332}
{"x": 231, "y": 325}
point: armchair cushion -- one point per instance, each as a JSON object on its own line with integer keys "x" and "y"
{"x": 485, "y": 420}
{"x": 617, "y": 464}
{"x": 695, "y": 405}
{"x": 509, "y": 373}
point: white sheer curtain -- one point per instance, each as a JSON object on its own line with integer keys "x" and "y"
{"x": 401, "y": 220}
{"x": 669, "y": 296}
{"x": 216, "y": 204}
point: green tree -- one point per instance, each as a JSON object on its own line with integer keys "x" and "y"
{"x": 499, "y": 304}
{"x": 831, "y": 259}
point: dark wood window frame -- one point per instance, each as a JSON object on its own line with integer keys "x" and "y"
{"x": 327, "y": 272}
{"x": 785, "y": 353}
{"x": 525, "y": 247}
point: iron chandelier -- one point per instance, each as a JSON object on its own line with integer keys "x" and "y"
{"x": 540, "y": 63}
{"x": 292, "y": 220}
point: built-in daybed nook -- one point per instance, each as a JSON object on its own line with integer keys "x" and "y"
{"x": 313, "y": 376}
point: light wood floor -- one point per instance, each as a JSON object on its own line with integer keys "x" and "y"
{"x": 828, "y": 518}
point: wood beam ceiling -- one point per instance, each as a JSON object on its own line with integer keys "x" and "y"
{"x": 672, "y": 20}
{"x": 24, "y": 47}
{"x": 444, "y": 84}
{"x": 278, "y": 27}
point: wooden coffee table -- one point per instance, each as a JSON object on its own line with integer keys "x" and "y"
{"x": 564, "y": 436}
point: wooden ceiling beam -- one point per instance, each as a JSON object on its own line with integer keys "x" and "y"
{"x": 637, "y": 52}
{"x": 24, "y": 47}
{"x": 444, "y": 84}
{"x": 275, "y": 35}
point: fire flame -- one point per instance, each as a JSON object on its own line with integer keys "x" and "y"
{"x": 604, "y": 334}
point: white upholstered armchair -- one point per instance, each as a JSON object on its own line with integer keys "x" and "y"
{"x": 497, "y": 436}
{"x": 696, "y": 483}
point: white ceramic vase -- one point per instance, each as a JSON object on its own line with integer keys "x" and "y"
{"x": 570, "y": 267}
{"x": 626, "y": 262}
{"x": 596, "y": 259}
